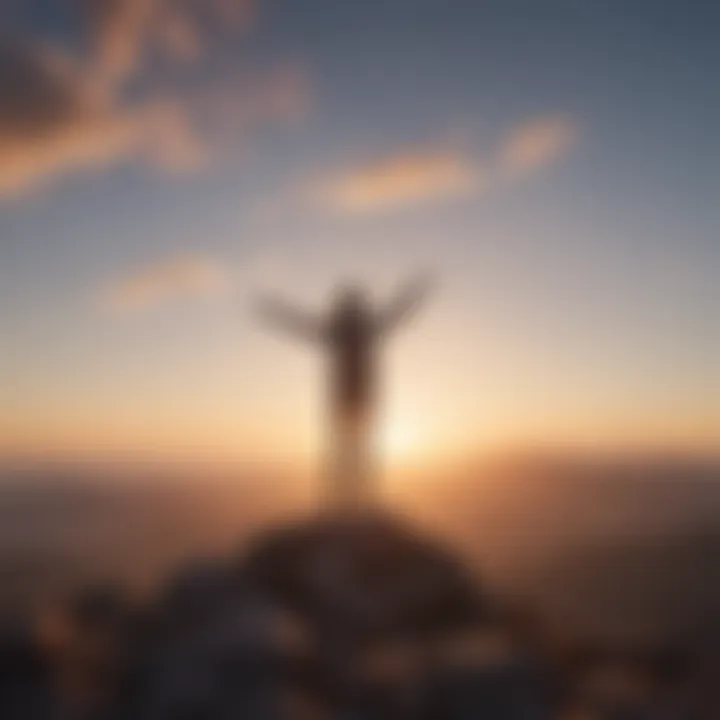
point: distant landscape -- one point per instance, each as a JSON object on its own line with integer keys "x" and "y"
{"x": 572, "y": 538}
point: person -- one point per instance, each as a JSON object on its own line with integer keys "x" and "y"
{"x": 351, "y": 334}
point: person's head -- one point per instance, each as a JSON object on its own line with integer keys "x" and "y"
{"x": 350, "y": 298}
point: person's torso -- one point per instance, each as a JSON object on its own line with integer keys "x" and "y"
{"x": 352, "y": 340}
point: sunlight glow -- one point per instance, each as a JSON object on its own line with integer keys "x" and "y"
{"x": 400, "y": 442}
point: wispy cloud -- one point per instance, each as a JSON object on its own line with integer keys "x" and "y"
{"x": 53, "y": 120}
{"x": 232, "y": 110}
{"x": 399, "y": 181}
{"x": 533, "y": 145}
{"x": 421, "y": 177}
{"x": 124, "y": 32}
{"x": 167, "y": 281}
{"x": 62, "y": 112}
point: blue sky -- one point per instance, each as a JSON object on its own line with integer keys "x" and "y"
{"x": 554, "y": 163}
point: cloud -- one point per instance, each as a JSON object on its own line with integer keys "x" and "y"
{"x": 59, "y": 115}
{"x": 50, "y": 119}
{"x": 179, "y": 37}
{"x": 238, "y": 106}
{"x": 54, "y": 120}
{"x": 124, "y": 32}
{"x": 399, "y": 181}
{"x": 118, "y": 29}
{"x": 167, "y": 281}
{"x": 410, "y": 179}
{"x": 534, "y": 145}
{"x": 166, "y": 137}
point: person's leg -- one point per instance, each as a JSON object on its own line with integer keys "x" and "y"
{"x": 351, "y": 471}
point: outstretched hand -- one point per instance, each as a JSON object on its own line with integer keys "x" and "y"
{"x": 406, "y": 302}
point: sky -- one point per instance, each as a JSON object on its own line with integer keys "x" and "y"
{"x": 552, "y": 163}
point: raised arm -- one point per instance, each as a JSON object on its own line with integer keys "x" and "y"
{"x": 289, "y": 319}
{"x": 405, "y": 304}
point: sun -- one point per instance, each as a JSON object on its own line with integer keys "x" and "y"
{"x": 399, "y": 441}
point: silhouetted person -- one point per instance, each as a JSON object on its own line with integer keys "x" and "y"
{"x": 351, "y": 334}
